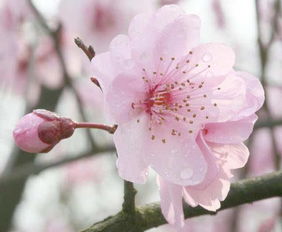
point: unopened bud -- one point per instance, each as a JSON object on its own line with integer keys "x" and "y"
{"x": 41, "y": 130}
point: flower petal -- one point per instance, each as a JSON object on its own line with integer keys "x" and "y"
{"x": 178, "y": 37}
{"x": 209, "y": 196}
{"x": 171, "y": 202}
{"x": 121, "y": 55}
{"x": 103, "y": 70}
{"x": 130, "y": 149}
{"x": 239, "y": 95}
{"x": 254, "y": 94}
{"x": 175, "y": 157}
{"x": 230, "y": 131}
{"x": 213, "y": 169}
{"x": 220, "y": 57}
{"x": 124, "y": 91}
{"x": 234, "y": 155}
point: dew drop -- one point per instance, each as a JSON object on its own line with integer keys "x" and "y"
{"x": 207, "y": 57}
{"x": 186, "y": 173}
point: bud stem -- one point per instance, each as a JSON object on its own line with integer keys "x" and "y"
{"x": 110, "y": 129}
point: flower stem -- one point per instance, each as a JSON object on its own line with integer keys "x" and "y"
{"x": 110, "y": 129}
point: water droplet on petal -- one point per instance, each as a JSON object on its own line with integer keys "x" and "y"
{"x": 186, "y": 173}
{"x": 207, "y": 57}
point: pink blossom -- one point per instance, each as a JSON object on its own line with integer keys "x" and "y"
{"x": 221, "y": 144}
{"x": 41, "y": 130}
{"x": 101, "y": 19}
{"x": 180, "y": 107}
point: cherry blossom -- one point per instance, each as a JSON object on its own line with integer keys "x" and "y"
{"x": 221, "y": 144}
{"x": 180, "y": 107}
{"x": 101, "y": 19}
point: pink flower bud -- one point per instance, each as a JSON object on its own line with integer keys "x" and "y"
{"x": 41, "y": 130}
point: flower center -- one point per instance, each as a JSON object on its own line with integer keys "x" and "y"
{"x": 176, "y": 92}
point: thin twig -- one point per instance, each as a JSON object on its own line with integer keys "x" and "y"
{"x": 264, "y": 58}
{"x": 55, "y": 36}
{"x": 34, "y": 169}
{"x": 110, "y": 129}
{"x": 268, "y": 123}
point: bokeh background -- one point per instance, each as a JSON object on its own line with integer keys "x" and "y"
{"x": 76, "y": 184}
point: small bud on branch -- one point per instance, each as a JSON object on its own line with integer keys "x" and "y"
{"x": 89, "y": 51}
{"x": 41, "y": 130}
{"x": 96, "y": 82}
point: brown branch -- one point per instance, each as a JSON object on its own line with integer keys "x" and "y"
{"x": 268, "y": 123}
{"x": 242, "y": 192}
{"x": 31, "y": 168}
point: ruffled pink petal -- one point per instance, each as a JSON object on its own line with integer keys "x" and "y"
{"x": 103, "y": 70}
{"x": 171, "y": 203}
{"x": 130, "y": 145}
{"x": 210, "y": 196}
{"x": 139, "y": 24}
{"x": 166, "y": 15}
{"x": 178, "y": 37}
{"x": 177, "y": 158}
{"x": 218, "y": 59}
{"x": 234, "y": 155}
{"x": 213, "y": 169}
{"x": 231, "y": 131}
{"x": 230, "y": 97}
{"x": 123, "y": 93}
{"x": 163, "y": 34}
{"x": 121, "y": 55}
{"x": 254, "y": 94}
{"x": 239, "y": 95}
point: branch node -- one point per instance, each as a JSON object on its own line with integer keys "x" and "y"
{"x": 89, "y": 51}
